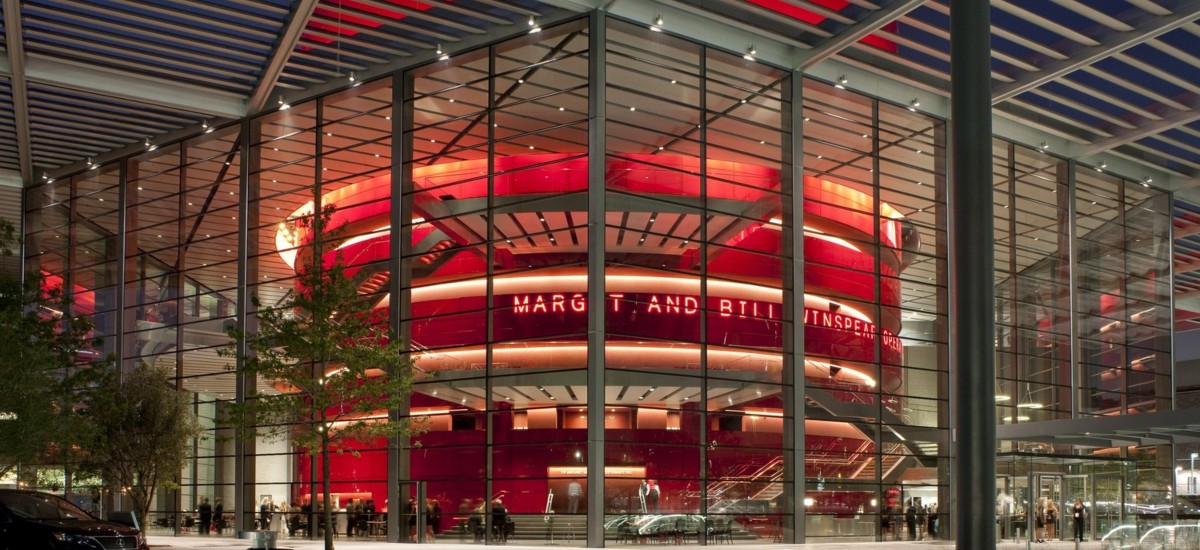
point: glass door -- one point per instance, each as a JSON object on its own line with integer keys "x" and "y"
{"x": 1049, "y": 495}
{"x": 1074, "y": 487}
{"x": 1106, "y": 509}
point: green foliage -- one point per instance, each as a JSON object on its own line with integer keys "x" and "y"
{"x": 143, "y": 432}
{"x": 326, "y": 355}
{"x": 41, "y": 376}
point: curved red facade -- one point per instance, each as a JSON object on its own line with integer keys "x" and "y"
{"x": 851, "y": 317}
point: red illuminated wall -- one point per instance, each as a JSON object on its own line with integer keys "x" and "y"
{"x": 840, "y": 277}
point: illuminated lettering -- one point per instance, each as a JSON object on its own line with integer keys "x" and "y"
{"x": 558, "y": 303}
{"x": 653, "y": 306}
{"x": 672, "y": 304}
{"x": 690, "y": 305}
{"x": 539, "y": 305}
{"x": 519, "y": 306}
{"x": 726, "y": 307}
{"x": 578, "y": 303}
{"x": 616, "y": 301}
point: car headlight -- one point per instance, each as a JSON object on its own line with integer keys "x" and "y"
{"x": 71, "y": 539}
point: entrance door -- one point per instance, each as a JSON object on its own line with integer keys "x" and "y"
{"x": 1049, "y": 490}
{"x": 1106, "y": 509}
{"x": 1074, "y": 487}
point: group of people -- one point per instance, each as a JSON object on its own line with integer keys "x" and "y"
{"x": 1046, "y": 516}
{"x": 433, "y": 518}
{"x": 920, "y": 521}
{"x": 207, "y": 513}
{"x": 501, "y": 528}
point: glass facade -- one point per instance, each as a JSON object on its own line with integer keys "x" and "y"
{"x": 610, "y": 247}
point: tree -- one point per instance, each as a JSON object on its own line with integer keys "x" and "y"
{"x": 327, "y": 353}
{"x": 142, "y": 433}
{"x": 41, "y": 349}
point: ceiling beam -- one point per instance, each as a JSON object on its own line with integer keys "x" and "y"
{"x": 853, "y": 33}
{"x": 1146, "y": 29}
{"x": 283, "y": 51}
{"x": 15, "y": 43}
{"x": 1176, "y": 120}
{"x": 125, "y": 86}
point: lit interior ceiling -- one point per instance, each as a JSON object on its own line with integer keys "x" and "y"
{"x": 1117, "y": 83}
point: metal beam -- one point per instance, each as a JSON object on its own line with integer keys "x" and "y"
{"x": 1181, "y": 118}
{"x": 283, "y": 50}
{"x": 1146, "y": 29}
{"x": 853, "y": 33}
{"x": 126, "y": 86}
{"x": 15, "y": 42}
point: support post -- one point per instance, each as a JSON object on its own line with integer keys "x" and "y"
{"x": 973, "y": 293}
{"x": 596, "y": 260}
{"x": 793, "y": 296}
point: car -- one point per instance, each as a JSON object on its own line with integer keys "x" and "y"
{"x": 31, "y": 520}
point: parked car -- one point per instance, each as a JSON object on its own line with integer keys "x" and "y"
{"x": 30, "y": 520}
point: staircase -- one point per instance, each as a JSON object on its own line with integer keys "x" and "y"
{"x": 572, "y": 529}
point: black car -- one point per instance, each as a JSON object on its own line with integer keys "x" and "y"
{"x": 30, "y": 520}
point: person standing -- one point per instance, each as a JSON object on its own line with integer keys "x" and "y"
{"x": 1051, "y": 519}
{"x": 652, "y": 494}
{"x": 1039, "y": 517}
{"x": 264, "y": 514}
{"x": 574, "y": 493}
{"x": 910, "y": 519}
{"x": 931, "y": 522}
{"x": 433, "y": 524}
{"x": 206, "y": 512}
{"x": 499, "y": 521}
{"x": 219, "y": 516}
{"x": 1078, "y": 513}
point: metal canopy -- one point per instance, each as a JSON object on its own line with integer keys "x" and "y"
{"x": 1117, "y": 80}
{"x": 1114, "y": 84}
{"x": 1181, "y": 426}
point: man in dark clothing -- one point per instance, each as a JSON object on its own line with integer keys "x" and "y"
{"x": 219, "y": 516}
{"x": 206, "y": 512}
{"x": 499, "y": 519}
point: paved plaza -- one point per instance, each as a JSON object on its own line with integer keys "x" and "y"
{"x": 198, "y": 543}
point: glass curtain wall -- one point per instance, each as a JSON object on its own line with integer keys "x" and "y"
{"x": 492, "y": 291}
{"x": 1109, "y": 239}
{"x": 876, "y": 358}
{"x": 332, "y": 153}
{"x": 495, "y": 259}
{"x": 1083, "y": 303}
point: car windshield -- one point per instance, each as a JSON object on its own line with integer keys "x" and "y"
{"x": 41, "y": 507}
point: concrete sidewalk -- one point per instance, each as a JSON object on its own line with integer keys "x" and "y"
{"x": 199, "y": 543}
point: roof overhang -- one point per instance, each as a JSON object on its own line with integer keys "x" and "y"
{"x": 1182, "y": 426}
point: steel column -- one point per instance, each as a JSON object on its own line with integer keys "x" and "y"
{"x": 401, "y": 235}
{"x": 597, "y": 27}
{"x": 973, "y": 293}
{"x": 793, "y": 296}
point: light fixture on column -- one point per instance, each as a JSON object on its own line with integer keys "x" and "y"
{"x": 534, "y": 28}
{"x": 1102, "y": 166}
{"x": 842, "y": 81}
{"x": 150, "y": 146}
{"x": 658, "y": 24}
{"x": 1147, "y": 181}
{"x": 208, "y": 128}
{"x": 353, "y": 78}
{"x": 91, "y": 164}
{"x": 1044, "y": 146}
{"x": 283, "y": 105}
{"x": 912, "y": 105}
{"x": 441, "y": 54}
{"x": 750, "y": 53}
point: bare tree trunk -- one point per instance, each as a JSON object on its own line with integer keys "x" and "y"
{"x": 325, "y": 488}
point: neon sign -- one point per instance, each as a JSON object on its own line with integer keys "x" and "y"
{"x": 646, "y": 305}
{"x": 673, "y": 304}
